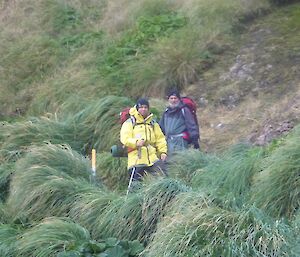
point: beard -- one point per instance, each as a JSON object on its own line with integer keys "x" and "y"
{"x": 174, "y": 105}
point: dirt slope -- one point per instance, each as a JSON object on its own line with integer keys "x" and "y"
{"x": 253, "y": 92}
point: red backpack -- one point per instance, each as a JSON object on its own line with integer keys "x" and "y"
{"x": 124, "y": 115}
{"x": 190, "y": 103}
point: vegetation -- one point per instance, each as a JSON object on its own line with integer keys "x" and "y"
{"x": 279, "y": 180}
{"x": 68, "y": 68}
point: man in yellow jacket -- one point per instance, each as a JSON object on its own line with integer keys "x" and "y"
{"x": 145, "y": 141}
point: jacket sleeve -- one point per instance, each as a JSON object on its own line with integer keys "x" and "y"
{"x": 191, "y": 125}
{"x": 126, "y": 135}
{"x": 161, "y": 144}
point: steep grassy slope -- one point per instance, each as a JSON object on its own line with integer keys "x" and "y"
{"x": 253, "y": 90}
{"x": 241, "y": 67}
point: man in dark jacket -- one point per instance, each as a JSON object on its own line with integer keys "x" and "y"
{"x": 179, "y": 125}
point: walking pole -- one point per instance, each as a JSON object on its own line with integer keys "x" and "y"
{"x": 133, "y": 170}
{"x": 130, "y": 181}
{"x": 93, "y": 171}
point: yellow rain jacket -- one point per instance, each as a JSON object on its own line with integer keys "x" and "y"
{"x": 139, "y": 128}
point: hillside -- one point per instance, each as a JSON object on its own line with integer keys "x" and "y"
{"x": 253, "y": 90}
{"x": 244, "y": 76}
{"x": 68, "y": 67}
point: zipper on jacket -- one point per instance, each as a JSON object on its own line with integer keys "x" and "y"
{"x": 145, "y": 126}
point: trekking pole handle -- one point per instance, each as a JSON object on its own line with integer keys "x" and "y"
{"x": 139, "y": 152}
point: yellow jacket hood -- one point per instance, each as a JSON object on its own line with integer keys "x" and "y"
{"x": 138, "y": 117}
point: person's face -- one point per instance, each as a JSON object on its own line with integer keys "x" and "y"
{"x": 173, "y": 100}
{"x": 143, "y": 110}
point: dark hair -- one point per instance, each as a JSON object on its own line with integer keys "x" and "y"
{"x": 142, "y": 101}
{"x": 173, "y": 92}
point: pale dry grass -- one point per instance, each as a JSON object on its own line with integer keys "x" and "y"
{"x": 287, "y": 107}
{"x": 117, "y": 15}
{"x": 221, "y": 126}
{"x": 77, "y": 78}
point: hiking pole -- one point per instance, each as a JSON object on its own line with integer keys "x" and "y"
{"x": 131, "y": 179}
{"x": 93, "y": 171}
{"x": 133, "y": 170}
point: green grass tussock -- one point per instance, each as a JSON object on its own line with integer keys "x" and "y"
{"x": 120, "y": 58}
{"x": 89, "y": 206}
{"x": 4, "y": 214}
{"x": 229, "y": 178}
{"x": 96, "y": 126}
{"x": 296, "y": 237}
{"x": 50, "y": 237}
{"x": 62, "y": 48}
{"x": 122, "y": 218}
{"x": 190, "y": 201}
{"x": 218, "y": 232}
{"x": 112, "y": 172}
{"x": 59, "y": 157}
{"x": 42, "y": 191}
{"x": 136, "y": 216}
{"x": 6, "y": 170}
{"x": 9, "y": 235}
{"x": 277, "y": 187}
{"x": 184, "y": 165}
{"x": 158, "y": 194}
{"x": 38, "y": 131}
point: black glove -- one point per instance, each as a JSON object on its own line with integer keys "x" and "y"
{"x": 195, "y": 142}
{"x": 196, "y": 145}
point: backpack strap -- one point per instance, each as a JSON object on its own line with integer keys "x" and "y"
{"x": 152, "y": 122}
{"x": 182, "y": 111}
{"x": 133, "y": 120}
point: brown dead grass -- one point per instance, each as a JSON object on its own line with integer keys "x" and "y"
{"x": 221, "y": 126}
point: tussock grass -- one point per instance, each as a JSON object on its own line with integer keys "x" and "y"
{"x": 38, "y": 38}
{"x": 59, "y": 47}
{"x": 29, "y": 61}
{"x": 59, "y": 157}
{"x": 296, "y": 238}
{"x": 21, "y": 135}
{"x": 190, "y": 201}
{"x": 9, "y": 235}
{"x": 136, "y": 216}
{"x": 218, "y": 232}
{"x": 4, "y": 214}
{"x": 42, "y": 191}
{"x": 6, "y": 169}
{"x": 277, "y": 187}
{"x": 50, "y": 237}
{"x": 112, "y": 172}
{"x": 96, "y": 126}
{"x": 180, "y": 57}
{"x": 157, "y": 195}
{"x": 122, "y": 218}
{"x": 230, "y": 177}
{"x": 184, "y": 165}
{"x": 89, "y": 206}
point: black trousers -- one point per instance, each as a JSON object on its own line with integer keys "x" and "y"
{"x": 158, "y": 168}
